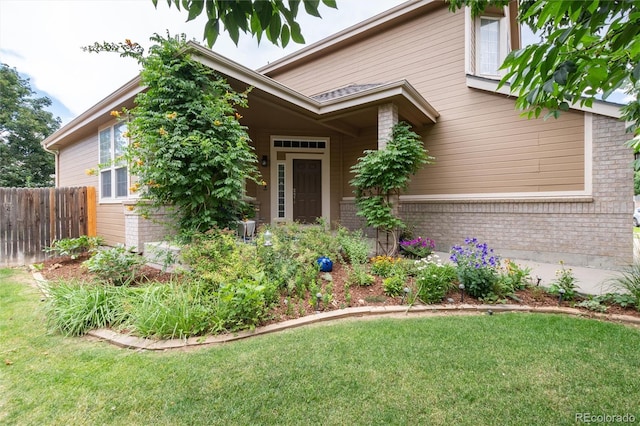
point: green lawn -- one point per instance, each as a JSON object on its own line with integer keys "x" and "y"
{"x": 501, "y": 369}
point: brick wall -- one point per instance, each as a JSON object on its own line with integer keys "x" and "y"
{"x": 140, "y": 230}
{"x": 387, "y": 118}
{"x": 592, "y": 231}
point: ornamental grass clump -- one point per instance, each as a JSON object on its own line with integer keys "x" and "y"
{"x": 477, "y": 267}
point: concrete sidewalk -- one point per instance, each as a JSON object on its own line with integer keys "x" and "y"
{"x": 589, "y": 280}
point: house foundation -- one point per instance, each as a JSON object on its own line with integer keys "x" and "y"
{"x": 141, "y": 228}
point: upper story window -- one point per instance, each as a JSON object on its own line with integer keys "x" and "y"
{"x": 488, "y": 50}
{"x": 487, "y": 45}
{"x": 114, "y": 176}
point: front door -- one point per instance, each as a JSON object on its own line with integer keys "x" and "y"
{"x": 307, "y": 190}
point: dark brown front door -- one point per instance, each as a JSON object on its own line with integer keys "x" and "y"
{"x": 307, "y": 190}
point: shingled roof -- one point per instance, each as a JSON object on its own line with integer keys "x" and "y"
{"x": 344, "y": 91}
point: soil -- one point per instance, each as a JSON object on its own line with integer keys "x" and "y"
{"x": 65, "y": 268}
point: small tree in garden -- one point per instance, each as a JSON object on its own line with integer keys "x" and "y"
{"x": 382, "y": 174}
{"x": 188, "y": 148}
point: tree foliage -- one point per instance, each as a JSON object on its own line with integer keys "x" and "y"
{"x": 381, "y": 174}
{"x": 188, "y": 147}
{"x": 24, "y": 124}
{"x": 588, "y": 49}
{"x": 273, "y": 18}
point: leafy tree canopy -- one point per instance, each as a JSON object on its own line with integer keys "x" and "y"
{"x": 273, "y": 18}
{"x": 24, "y": 124}
{"x": 188, "y": 147}
{"x": 588, "y": 49}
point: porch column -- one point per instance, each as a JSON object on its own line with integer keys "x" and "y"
{"x": 387, "y": 118}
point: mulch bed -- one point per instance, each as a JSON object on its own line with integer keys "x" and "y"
{"x": 65, "y": 268}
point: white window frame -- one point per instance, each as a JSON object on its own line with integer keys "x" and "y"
{"x": 473, "y": 49}
{"x": 112, "y": 165}
{"x": 290, "y": 154}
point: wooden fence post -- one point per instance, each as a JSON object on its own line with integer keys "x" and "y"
{"x": 92, "y": 224}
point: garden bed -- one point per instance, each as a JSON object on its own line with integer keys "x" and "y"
{"x": 66, "y": 269}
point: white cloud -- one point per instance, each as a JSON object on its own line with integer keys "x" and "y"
{"x": 44, "y": 38}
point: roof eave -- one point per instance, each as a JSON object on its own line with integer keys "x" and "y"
{"x": 252, "y": 78}
{"x": 606, "y": 108}
{"x": 106, "y": 105}
{"x": 389, "y": 92}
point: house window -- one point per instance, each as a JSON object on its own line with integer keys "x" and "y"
{"x": 489, "y": 51}
{"x": 490, "y": 45}
{"x": 281, "y": 190}
{"x": 114, "y": 177}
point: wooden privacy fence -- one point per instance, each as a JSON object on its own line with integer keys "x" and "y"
{"x": 32, "y": 218}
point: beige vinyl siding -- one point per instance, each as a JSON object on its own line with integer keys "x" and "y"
{"x": 74, "y": 160}
{"x": 480, "y": 142}
{"x": 352, "y": 149}
{"x": 110, "y": 218}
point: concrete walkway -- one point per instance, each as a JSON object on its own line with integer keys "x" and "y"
{"x": 589, "y": 280}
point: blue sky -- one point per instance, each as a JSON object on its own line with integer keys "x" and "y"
{"x": 42, "y": 39}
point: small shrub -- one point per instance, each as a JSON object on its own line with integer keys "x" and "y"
{"x": 564, "y": 280}
{"x": 394, "y": 285}
{"x": 241, "y": 305}
{"x": 593, "y": 305}
{"x": 417, "y": 248}
{"x": 316, "y": 241}
{"x": 621, "y": 299}
{"x": 476, "y": 267}
{"x": 216, "y": 257}
{"x": 434, "y": 279}
{"x": 510, "y": 279}
{"x": 384, "y": 266}
{"x": 116, "y": 265}
{"x": 74, "y": 247}
{"x": 515, "y": 276}
{"x": 355, "y": 247}
{"x": 357, "y": 275}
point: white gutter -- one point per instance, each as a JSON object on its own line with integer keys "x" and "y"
{"x": 608, "y": 109}
{"x": 111, "y": 102}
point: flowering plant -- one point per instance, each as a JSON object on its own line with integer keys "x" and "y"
{"x": 434, "y": 279}
{"x": 383, "y": 265}
{"x": 417, "y": 248}
{"x": 477, "y": 267}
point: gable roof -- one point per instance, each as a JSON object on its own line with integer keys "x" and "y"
{"x": 330, "y": 111}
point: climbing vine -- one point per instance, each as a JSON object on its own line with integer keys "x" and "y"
{"x": 188, "y": 149}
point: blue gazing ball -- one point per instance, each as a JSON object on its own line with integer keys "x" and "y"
{"x": 325, "y": 264}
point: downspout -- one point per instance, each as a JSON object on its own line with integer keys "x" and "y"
{"x": 56, "y": 154}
